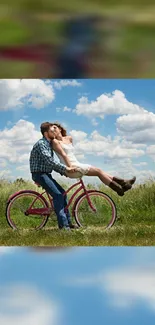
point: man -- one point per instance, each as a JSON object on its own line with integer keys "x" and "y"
{"x": 42, "y": 163}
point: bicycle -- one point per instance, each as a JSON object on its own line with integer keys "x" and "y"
{"x": 85, "y": 206}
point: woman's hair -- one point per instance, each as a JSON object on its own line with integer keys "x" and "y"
{"x": 63, "y": 130}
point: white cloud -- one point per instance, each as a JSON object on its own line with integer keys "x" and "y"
{"x": 15, "y": 93}
{"x": 23, "y": 168}
{"x": 139, "y": 128}
{"x": 78, "y": 135}
{"x": 127, "y": 285}
{"x": 16, "y": 142}
{"x": 6, "y": 174}
{"x": 66, "y": 109}
{"x": 22, "y": 304}
{"x": 3, "y": 163}
{"x": 66, "y": 83}
{"x": 151, "y": 151}
{"x": 126, "y": 169}
{"x": 136, "y": 123}
{"x": 113, "y": 103}
{"x": 24, "y": 157}
{"x": 107, "y": 147}
{"x": 142, "y": 163}
{"x": 145, "y": 175}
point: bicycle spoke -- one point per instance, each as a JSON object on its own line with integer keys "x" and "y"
{"x": 17, "y": 208}
{"x": 104, "y": 215}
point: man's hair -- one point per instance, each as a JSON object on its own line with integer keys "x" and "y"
{"x": 63, "y": 130}
{"x": 44, "y": 127}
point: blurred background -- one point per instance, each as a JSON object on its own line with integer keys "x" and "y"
{"x": 82, "y": 285}
{"x": 76, "y": 39}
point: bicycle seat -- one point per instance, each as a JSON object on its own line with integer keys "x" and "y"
{"x": 37, "y": 184}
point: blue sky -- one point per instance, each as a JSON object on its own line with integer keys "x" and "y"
{"x": 78, "y": 285}
{"x": 112, "y": 122}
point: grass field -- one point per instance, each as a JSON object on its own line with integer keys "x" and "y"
{"x": 135, "y": 225}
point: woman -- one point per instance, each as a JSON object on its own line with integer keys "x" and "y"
{"x": 63, "y": 146}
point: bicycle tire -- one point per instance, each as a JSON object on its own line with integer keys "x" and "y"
{"x": 94, "y": 193}
{"x": 18, "y": 195}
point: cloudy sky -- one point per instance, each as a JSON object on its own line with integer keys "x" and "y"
{"x": 77, "y": 286}
{"x": 112, "y": 123}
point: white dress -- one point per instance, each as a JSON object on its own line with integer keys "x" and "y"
{"x": 69, "y": 150}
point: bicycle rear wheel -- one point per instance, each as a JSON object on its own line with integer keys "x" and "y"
{"x": 105, "y": 210}
{"x": 16, "y": 211}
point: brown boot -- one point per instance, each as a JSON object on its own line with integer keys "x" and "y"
{"x": 131, "y": 180}
{"x": 117, "y": 188}
{"x": 125, "y": 183}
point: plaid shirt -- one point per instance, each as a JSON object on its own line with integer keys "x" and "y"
{"x": 42, "y": 160}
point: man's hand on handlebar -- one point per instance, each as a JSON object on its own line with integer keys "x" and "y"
{"x": 70, "y": 170}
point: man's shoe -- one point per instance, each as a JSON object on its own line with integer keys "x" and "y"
{"x": 73, "y": 226}
{"x": 65, "y": 228}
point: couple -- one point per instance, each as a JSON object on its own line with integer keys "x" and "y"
{"x": 42, "y": 163}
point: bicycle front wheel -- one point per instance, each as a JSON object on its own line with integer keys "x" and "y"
{"x": 16, "y": 211}
{"x": 100, "y": 212}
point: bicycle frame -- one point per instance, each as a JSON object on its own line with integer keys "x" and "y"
{"x": 82, "y": 187}
{"x": 47, "y": 211}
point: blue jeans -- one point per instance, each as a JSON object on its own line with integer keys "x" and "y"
{"x": 59, "y": 200}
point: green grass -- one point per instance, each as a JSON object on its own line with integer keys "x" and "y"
{"x": 135, "y": 225}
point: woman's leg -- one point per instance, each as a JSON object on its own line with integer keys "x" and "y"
{"x": 93, "y": 171}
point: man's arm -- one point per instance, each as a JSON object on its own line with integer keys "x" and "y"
{"x": 49, "y": 160}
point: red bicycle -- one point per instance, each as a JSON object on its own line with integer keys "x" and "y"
{"x": 31, "y": 209}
